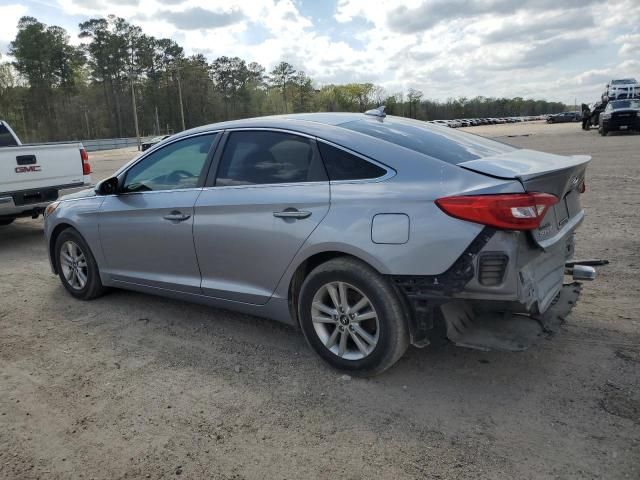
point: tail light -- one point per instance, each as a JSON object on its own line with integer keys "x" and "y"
{"x": 86, "y": 166}
{"x": 517, "y": 211}
{"x": 583, "y": 187}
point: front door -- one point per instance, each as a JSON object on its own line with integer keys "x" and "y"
{"x": 146, "y": 229}
{"x": 271, "y": 191}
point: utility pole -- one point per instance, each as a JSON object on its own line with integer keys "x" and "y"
{"x": 86, "y": 118}
{"x": 180, "y": 97}
{"x": 24, "y": 123}
{"x": 135, "y": 113}
{"x": 157, "y": 122}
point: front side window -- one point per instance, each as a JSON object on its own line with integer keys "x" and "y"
{"x": 266, "y": 157}
{"x": 178, "y": 165}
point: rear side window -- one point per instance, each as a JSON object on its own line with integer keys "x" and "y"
{"x": 449, "y": 146}
{"x": 6, "y": 139}
{"x": 265, "y": 157}
{"x": 342, "y": 165}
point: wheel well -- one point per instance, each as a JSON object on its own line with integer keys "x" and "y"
{"x": 52, "y": 242}
{"x": 304, "y": 269}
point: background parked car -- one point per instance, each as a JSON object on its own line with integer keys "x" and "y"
{"x": 620, "y": 115}
{"x": 623, "y": 88}
{"x": 151, "y": 142}
{"x": 564, "y": 117}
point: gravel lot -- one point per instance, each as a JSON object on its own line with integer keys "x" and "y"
{"x": 134, "y": 386}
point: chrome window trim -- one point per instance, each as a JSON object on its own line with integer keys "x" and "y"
{"x": 150, "y": 191}
{"x": 271, "y": 129}
{"x": 264, "y": 185}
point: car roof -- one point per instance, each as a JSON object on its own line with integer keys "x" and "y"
{"x": 376, "y": 137}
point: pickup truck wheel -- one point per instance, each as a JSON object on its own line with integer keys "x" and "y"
{"x": 603, "y": 132}
{"x": 6, "y": 221}
{"x": 352, "y": 317}
{"x": 76, "y": 266}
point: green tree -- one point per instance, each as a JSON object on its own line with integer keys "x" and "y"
{"x": 280, "y": 78}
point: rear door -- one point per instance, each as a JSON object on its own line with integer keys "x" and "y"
{"x": 146, "y": 230}
{"x": 270, "y": 192}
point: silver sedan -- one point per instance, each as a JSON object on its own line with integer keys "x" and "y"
{"x": 369, "y": 232}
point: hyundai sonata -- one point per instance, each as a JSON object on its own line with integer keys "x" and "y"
{"x": 369, "y": 232}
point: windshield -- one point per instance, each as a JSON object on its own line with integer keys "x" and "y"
{"x": 626, "y": 104}
{"x": 625, "y": 81}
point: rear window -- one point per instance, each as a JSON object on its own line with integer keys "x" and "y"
{"x": 449, "y": 146}
{"x": 6, "y": 139}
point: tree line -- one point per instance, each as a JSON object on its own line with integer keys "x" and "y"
{"x": 54, "y": 90}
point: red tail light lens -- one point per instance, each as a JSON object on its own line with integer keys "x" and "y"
{"x": 517, "y": 211}
{"x": 86, "y": 166}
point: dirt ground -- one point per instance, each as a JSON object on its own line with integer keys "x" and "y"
{"x": 134, "y": 386}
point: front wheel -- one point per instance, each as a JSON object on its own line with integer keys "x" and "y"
{"x": 6, "y": 221}
{"x": 352, "y": 317}
{"x": 603, "y": 131}
{"x": 76, "y": 266}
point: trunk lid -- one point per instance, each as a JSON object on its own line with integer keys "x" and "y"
{"x": 559, "y": 175}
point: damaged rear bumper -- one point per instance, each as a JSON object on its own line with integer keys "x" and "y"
{"x": 502, "y": 282}
{"x": 506, "y": 331}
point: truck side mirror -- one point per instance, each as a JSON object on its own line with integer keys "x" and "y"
{"x": 108, "y": 186}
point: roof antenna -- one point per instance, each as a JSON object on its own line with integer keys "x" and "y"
{"x": 377, "y": 112}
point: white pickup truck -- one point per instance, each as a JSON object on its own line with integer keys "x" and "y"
{"x": 32, "y": 176}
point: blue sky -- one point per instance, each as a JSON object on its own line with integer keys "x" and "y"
{"x": 559, "y": 50}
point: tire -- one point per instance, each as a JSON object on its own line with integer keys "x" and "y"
{"x": 72, "y": 254}
{"x": 375, "y": 336}
{"x": 6, "y": 221}
{"x": 603, "y": 131}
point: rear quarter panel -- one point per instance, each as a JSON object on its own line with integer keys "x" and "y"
{"x": 435, "y": 239}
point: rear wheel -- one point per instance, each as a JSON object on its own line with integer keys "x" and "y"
{"x": 6, "y": 221}
{"x": 76, "y": 266}
{"x": 352, "y": 317}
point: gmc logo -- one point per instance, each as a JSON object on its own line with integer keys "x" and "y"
{"x": 32, "y": 168}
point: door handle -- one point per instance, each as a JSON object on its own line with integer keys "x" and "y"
{"x": 177, "y": 216}
{"x": 292, "y": 213}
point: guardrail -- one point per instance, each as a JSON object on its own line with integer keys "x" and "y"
{"x": 108, "y": 143}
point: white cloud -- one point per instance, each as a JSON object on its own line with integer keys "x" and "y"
{"x": 9, "y": 16}
{"x": 541, "y": 48}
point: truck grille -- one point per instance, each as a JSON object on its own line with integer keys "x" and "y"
{"x": 491, "y": 268}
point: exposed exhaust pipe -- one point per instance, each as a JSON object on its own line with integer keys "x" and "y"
{"x": 581, "y": 272}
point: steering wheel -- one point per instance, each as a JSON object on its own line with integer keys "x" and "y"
{"x": 179, "y": 175}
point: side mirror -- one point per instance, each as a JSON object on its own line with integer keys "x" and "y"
{"x": 108, "y": 186}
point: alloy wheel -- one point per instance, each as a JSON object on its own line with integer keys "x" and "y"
{"x": 74, "y": 265}
{"x": 345, "y": 320}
